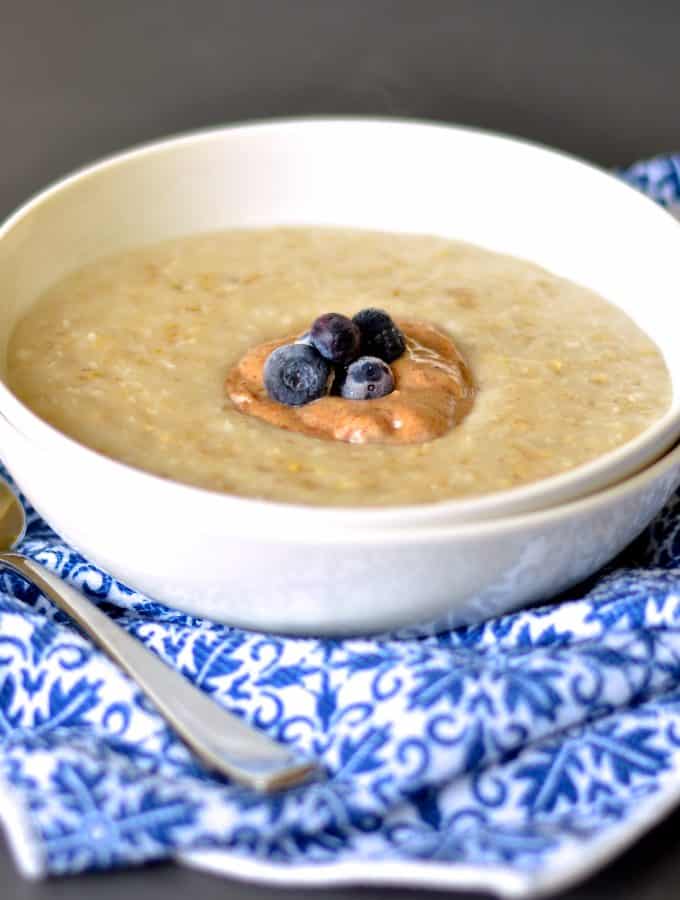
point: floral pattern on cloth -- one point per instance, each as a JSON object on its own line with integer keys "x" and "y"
{"x": 509, "y": 756}
{"x": 659, "y": 178}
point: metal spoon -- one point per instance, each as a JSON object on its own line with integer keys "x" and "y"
{"x": 221, "y": 740}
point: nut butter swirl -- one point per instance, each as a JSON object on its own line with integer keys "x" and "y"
{"x": 433, "y": 392}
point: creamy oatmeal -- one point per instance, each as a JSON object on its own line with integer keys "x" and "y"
{"x": 131, "y": 356}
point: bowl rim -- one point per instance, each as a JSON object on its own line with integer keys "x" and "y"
{"x": 472, "y": 531}
{"x": 664, "y": 431}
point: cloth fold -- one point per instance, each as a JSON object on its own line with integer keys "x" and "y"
{"x": 513, "y": 756}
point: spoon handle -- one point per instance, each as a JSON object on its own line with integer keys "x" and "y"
{"x": 220, "y": 739}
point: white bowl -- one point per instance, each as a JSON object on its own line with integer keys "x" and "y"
{"x": 300, "y": 569}
{"x": 495, "y": 191}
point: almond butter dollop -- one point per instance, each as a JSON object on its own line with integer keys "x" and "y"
{"x": 433, "y": 392}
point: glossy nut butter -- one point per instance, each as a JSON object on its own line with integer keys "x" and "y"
{"x": 433, "y": 391}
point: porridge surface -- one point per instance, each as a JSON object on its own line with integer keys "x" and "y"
{"x": 130, "y": 355}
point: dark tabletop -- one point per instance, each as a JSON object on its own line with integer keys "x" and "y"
{"x": 81, "y": 78}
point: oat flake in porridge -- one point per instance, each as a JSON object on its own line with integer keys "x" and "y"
{"x": 130, "y": 354}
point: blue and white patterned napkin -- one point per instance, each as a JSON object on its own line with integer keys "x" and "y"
{"x": 514, "y": 756}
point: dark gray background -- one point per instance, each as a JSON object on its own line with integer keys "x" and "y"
{"x": 81, "y": 78}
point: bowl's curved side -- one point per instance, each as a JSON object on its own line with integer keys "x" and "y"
{"x": 336, "y": 584}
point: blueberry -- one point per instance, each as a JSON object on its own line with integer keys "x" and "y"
{"x": 296, "y": 374}
{"x": 305, "y": 338}
{"x": 336, "y": 338}
{"x": 367, "y": 379}
{"x": 379, "y": 335}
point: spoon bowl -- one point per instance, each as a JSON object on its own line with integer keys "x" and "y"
{"x": 12, "y": 518}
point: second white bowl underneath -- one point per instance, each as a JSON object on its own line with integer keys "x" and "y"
{"x": 339, "y": 581}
